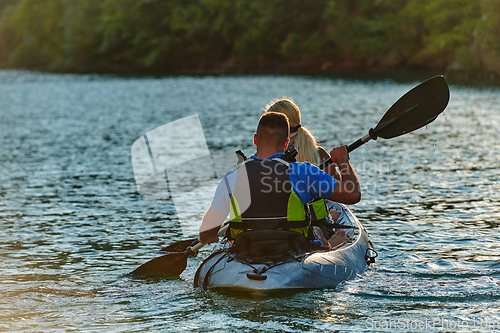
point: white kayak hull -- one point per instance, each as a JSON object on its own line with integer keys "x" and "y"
{"x": 314, "y": 270}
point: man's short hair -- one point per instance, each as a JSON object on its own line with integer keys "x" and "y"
{"x": 273, "y": 129}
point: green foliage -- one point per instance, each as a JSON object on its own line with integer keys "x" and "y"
{"x": 445, "y": 26}
{"x": 366, "y": 26}
{"x": 35, "y": 34}
{"x": 169, "y": 35}
{"x": 488, "y": 28}
{"x": 82, "y": 37}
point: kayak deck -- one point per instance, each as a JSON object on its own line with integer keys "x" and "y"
{"x": 312, "y": 270}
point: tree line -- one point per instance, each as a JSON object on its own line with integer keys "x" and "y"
{"x": 148, "y": 36}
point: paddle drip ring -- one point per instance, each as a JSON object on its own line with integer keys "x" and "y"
{"x": 372, "y": 134}
{"x": 190, "y": 251}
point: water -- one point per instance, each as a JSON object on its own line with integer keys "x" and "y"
{"x": 73, "y": 223}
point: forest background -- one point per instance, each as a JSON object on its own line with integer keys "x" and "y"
{"x": 456, "y": 37}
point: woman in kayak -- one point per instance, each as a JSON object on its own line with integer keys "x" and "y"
{"x": 308, "y": 150}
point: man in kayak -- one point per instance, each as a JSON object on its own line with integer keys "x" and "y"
{"x": 267, "y": 192}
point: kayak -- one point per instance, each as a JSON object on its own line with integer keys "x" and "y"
{"x": 224, "y": 271}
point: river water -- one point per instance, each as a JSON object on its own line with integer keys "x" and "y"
{"x": 73, "y": 223}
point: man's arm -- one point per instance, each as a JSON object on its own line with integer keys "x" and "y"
{"x": 347, "y": 190}
{"x": 210, "y": 225}
{"x": 217, "y": 212}
{"x": 323, "y": 155}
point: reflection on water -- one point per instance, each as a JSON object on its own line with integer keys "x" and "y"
{"x": 73, "y": 223}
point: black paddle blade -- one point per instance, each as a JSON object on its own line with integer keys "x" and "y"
{"x": 169, "y": 265}
{"x": 181, "y": 246}
{"x": 417, "y": 108}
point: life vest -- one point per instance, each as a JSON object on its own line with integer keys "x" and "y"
{"x": 319, "y": 213}
{"x": 273, "y": 203}
{"x": 318, "y": 210}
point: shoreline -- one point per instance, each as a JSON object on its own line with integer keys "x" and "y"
{"x": 464, "y": 78}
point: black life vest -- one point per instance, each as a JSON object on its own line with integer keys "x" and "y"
{"x": 264, "y": 199}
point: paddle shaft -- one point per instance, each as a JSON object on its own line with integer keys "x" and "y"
{"x": 351, "y": 147}
{"x": 185, "y": 244}
{"x": 199, "y": 245}
{"x": 357, "y": 144}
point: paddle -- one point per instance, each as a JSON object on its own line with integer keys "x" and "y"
{"x": 180, "y": 246}
{"x": 415, "y": 109}
{"x": 172, "y": 264}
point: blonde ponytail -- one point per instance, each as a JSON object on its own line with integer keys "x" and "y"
{"x": 302, "y": 138}
{"x": 306, "y": 145}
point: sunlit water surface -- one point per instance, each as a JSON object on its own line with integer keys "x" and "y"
{"x": 72, "y": 222}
